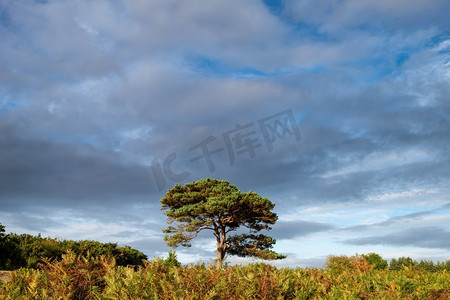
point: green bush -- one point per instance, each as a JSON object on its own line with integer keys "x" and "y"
{"x": 375, "y": 260}
{"x": 25, "y": 250}
{"x": 171, "y": 260}
{"x": 339, "y": 263}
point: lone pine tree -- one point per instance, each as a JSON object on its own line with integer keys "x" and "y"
{"x": 216, "y": 205}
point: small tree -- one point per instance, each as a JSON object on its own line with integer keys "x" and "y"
{"x": 171, "y": 260}
{"x": 215, "y": 205}
{"x": 376, "y": 260}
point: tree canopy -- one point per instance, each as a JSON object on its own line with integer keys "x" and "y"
{"x": 216, "y": 205}
{"x": 376, "y": 260}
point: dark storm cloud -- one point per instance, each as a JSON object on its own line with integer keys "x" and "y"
{"x": 40, "y": 172}
{"x": 426, "y": 237}
{"x": 30, "y": 221}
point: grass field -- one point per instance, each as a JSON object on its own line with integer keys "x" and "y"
{"x": 100, "y": 278}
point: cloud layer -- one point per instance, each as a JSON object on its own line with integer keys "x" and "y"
{"x": 93, "y": 94}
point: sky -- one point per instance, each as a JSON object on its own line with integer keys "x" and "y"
{"x": 338, "y": 111}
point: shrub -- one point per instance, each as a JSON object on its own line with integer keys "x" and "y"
{"x": 344, "y": 263}
{"x": 375, "y": 260}
{"x": 26, "y": 250}
{"x": 88, "y": 277}
{"x": 171, "y": 260}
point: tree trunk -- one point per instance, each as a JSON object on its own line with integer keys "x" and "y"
{"x": 221, "y": 249}
{"x": 220, "y": 256}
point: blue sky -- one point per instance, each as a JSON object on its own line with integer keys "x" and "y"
{"x": 102, "y": 105}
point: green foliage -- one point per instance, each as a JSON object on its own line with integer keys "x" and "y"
{"x": 26, "y": 250}
{"x": 73, "y": 277}
{"x": 342, "y": 263}
{"x": 10, "y": 255}
{"x": 171, "y": 260}
{"x": 253, "y": 245}
{"x": 216, "y": 205}
{"x": 339, "y": 263}
{"x": 375, "y": 260}
{"x": 428, "y": 265}
{"x": 81, "y": 277}
{"x": 398, "y": 264}
{"x": 2, "y": 230}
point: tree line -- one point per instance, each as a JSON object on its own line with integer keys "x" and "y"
{"x": 342, "y": 262}
{"x": 27, "y": 251}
